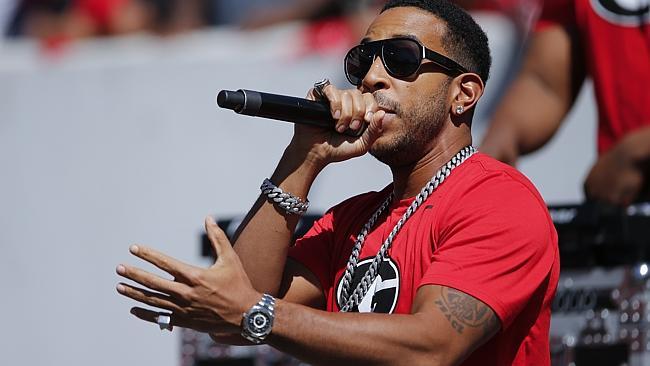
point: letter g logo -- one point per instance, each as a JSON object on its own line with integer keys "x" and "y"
{"x": 629, "y": 13}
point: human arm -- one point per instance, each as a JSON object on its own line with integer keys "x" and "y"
{"x": 445, "y": 325}
{"x": 263, "y": 238}
{"x": 540, "y": 96}
{"x": 435, "y": 333}
{"x": 620, "y": 175}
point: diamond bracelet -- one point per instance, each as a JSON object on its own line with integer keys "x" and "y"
{"x": 286, "y": 201}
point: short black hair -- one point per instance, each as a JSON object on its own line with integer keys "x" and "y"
{"x": 464, "y": 40}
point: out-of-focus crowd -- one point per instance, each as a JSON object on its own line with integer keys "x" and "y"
{"x": 75, "y": 19}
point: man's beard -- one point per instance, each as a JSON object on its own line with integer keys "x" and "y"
{"x": 420, "y": 126}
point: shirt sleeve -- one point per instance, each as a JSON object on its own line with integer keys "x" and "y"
{"x": 496, "y": 243}
{"x": 313, "y": 249}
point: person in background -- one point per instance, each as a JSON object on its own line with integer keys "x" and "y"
{"x": 77, "y": 19}
{"x": 610, "y": 42}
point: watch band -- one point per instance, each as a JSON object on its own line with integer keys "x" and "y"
{"x": 267, "y": 302}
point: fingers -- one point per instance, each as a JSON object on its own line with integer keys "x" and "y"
{"x": 350, "y": 108}
{"x": 178, "y": 320}
{"x": 218, "y": 239}
{"x": 150, "y": 298}
{"x": 347, "y": 111}
{"x": 613, "y": 181}
{"x": 374, "y": 128}
{"x": 168, "y": 264}
{"x": 333, "y": 96}
{"x": 371, "y": 107}
{"x": 146, "y": 315}
{"x": 152, "y": 281}
{"x": 614, "y": 194}
{"x": 358, "y": 111}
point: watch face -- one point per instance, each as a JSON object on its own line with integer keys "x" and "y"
{"x": 259, "y": 323}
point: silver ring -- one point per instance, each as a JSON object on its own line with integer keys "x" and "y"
{"x": 164, "y": 321}
{"x": 319, "y": 87}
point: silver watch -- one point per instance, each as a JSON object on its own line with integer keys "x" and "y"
{"x": 257, "y": 322}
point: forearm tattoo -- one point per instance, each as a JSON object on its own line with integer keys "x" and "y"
{"x": 462, "y": 310}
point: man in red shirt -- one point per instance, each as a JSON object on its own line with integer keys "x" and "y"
{"x": 609, "y": 41}
{"x": 454, "y": 263}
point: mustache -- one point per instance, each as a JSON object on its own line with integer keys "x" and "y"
{"x": 387, "y": 103}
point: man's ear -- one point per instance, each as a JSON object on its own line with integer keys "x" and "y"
{"x": 467, "y": 90}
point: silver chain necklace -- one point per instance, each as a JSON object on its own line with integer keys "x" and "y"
{"x": 349, "y": 301}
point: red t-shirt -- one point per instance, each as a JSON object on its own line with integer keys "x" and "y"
{"x": 615, "y": 39}
{"x": 485, "y": 231}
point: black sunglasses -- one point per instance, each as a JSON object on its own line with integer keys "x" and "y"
{"x": 401, "y": 57}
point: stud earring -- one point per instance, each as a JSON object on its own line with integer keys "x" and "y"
{"x": 460, "y": 109}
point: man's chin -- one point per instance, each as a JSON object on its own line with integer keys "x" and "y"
{"x": 383, "y": 152}
{"x": 396, "y": 152}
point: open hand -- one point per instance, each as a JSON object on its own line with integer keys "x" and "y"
{"x": 208, "y": 300}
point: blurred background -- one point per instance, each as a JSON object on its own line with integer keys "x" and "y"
{"x": 109, "y": 136}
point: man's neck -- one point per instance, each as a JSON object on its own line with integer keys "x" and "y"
{"x": 408, "y": 180}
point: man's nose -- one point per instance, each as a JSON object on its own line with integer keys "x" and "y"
{"x": 376, "y": 78}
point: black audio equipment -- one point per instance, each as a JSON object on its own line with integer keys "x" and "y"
{"x": 601, "y": 312}
{"x": 594, "y": 234}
